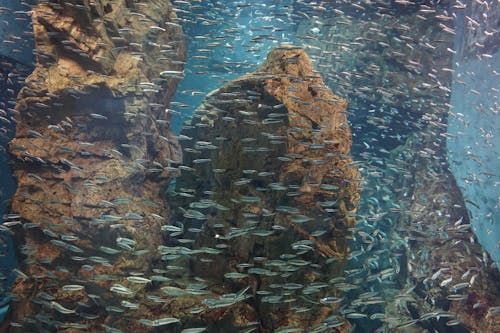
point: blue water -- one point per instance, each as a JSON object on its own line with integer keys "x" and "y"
{"x": 230, "y": 59}
{"x": 17, "y": 58}
{"x": 474, "y": 152}
{"x": 7, "y": 189}
{"x": 473, "y": 149}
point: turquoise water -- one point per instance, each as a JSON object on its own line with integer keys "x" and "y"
{"x": 236, "y": 53}
{"x": 17, "y": 59}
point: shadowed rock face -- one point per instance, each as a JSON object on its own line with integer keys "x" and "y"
{"x": 405, "y": 62}
{"x": 441, "y": 263}
{"x": 391, "y": 63}
{"x": 443, "y": 258}
{"x": 89, "y": 153}
{"x": 477, "y": 40}
{"x": 268, "y": 179}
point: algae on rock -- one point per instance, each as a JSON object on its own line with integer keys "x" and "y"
{"x": 268, "y": 182}
{"x": 88, "y": 154}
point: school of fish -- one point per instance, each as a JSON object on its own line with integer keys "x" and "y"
{"x": 176, "y": 192}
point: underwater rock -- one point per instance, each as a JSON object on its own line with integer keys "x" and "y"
{"x": 478, "y": 36}
{"x": 92, "y": 153}
{"x": 439, "y": 277}
{"x": 383, "y": 64}
{"x": 411, "y": 199}
{"x": 268, "y": 182}
{"x": 443, "y": 260}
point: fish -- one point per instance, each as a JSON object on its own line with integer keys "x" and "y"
{"x": 61, "y": 309}
{"x": 235, "y": 275}
{"x": 133, "y": 216}
{"x": 288, "y": 235}
{"x": 159, "y": 322}
{"x": 72, "y": 287}
{"x": 119, "y": 289}
{"x": 194, "y": 330}
{"x": 98, "y": 116}
{"x": 446, "y": 282}
{"x": 138, "y": 279}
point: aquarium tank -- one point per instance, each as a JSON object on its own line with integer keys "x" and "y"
{"x": 182, "y": 166}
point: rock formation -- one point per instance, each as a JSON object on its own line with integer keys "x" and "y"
{"x": 267, "y": 182}
{"x": 93, "y": 152}
{"x": 441, "y": 274}
{"x": 400, "y": 64}
{"x": 390, "y": 63}
{"x": 444, "y": 261}
{"x": 91, "y": 156}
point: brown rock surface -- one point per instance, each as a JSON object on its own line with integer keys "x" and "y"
{"x": 268, "y": 179}
{"x": 443, "y": 257}
{"x": 396, "y": 60}
{"x": 400, "y": 64}
{"x": 441, "y": 268}
{"x": 91, "y": 150}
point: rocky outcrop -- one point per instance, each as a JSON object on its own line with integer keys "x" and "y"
{"x": 91, "y": 156}
{"x": 448, "y": 269}
{"x": 396, "y": 64}
{"x": 437, "y": 276}
{"x": 400, "y": 64}
{"x": 444, "y": 278}
{"x": 267, "y": 182}
{"x": 478, "y": 36}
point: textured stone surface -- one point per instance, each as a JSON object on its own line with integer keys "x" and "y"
{"x": 396, "y": 65}
{"x": 91, "y": 150}
{"x": 478, "y": 34}
{"x": 441, "y": 244}
{"x": 266, "y": 166}
{"x": 436, "y": 254}
{"x": 400, "y": 64}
